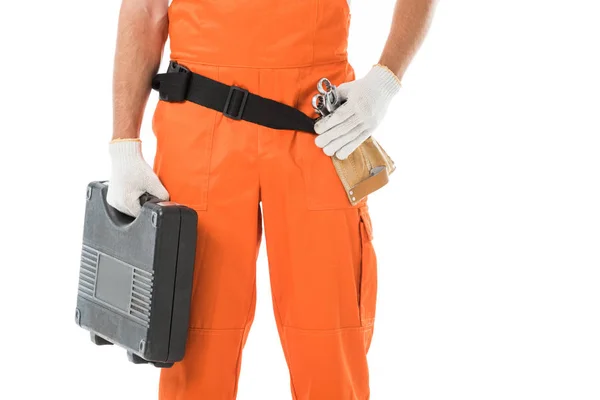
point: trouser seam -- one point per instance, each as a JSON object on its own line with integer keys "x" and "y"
{"x": 330, "y": 330}
{"x": 265, "y": 67}
{"x": 240, "y": 348}
{"x": 210, "y": 330}
{"x": 284, "y": 347}
{"x": 201, "y": 250}
{"x": 314, "y": 30}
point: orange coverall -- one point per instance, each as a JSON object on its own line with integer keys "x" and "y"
{"x": 321, "y": 258}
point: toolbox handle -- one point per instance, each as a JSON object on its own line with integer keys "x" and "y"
{"x": 119, "y": 218}
{"x": 147, "y": 197}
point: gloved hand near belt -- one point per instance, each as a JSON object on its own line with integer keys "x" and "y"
{"x": 131, "y": 176}
{"x": 365, "y": 103}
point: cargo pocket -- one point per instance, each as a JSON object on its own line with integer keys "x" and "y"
{"x": 368, "y": 273}
{"x": 184, "y": 136}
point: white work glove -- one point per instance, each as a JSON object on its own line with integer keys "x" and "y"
{"x": 366, "y": 102}
{"x": 131, "y": 177}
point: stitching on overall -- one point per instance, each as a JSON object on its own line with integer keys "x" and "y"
{"x": 210, "y": 150}
{"x": 285, "y": 350}
{"x": 362, "y": 266}
{"x": 316, "y": 21}
{"x": 246, "y": 328}
{"x": 199, "y": 261}
{"x": 258, "y": 158}
{"x": 324, "y": 331}
{"x": 271, "y": 67}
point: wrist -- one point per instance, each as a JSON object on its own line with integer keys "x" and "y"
{"x": 123, "y": 149}
{"x": 390, "y": 72}
{"x": 388, "y": 83}
{"x": 116, "y": 139}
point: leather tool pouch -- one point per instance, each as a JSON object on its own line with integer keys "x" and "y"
{"x": 366, "y": 170}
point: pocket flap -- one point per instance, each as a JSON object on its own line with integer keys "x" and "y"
{"x": 366, "y": 222}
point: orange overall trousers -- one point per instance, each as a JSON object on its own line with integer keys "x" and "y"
{"x": 235, "y": 174}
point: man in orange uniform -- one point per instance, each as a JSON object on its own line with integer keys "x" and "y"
{"x": 234, "y": 173}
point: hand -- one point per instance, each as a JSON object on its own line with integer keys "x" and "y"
{"x": 366, "y": 102}
{"x": 131, "y": 177}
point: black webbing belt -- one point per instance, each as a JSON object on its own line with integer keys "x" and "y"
{"x": 180, "y": 84}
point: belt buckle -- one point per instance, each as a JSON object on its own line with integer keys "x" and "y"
{"x": 174, "y": 66}
{"x": 231, "y": 113}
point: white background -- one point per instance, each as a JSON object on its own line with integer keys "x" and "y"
{"x": 488, "y": 235}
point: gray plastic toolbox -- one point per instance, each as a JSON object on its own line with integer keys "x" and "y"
{"x": 135, "y": 278}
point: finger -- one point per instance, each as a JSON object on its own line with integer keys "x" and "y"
{"x": 121, "y": 207}
{"x": 342, "y": 129}
{"x": 157, "y": 189}
{"x": 134, "y": 208}
{"x": 343, "y": 90}
{"x": 132, "y": 203}
{"x": 346, "y": 150}
{"x": 112, "y": 197}
{"x": 118, "y": 200}
{"x": 344, "y": 112}
{"x": 341, "y": 141}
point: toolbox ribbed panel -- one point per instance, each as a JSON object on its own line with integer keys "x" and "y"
{"x": 141, "y": 288}
{"x": 88, "y": 270}
{"x": 141, "y": 294}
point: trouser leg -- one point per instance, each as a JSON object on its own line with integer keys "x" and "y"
{"x": 209, "y": 163}
{"x": 323, "y": 270}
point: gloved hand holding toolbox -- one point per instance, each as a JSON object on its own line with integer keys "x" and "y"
{"x": 135, "y": 278}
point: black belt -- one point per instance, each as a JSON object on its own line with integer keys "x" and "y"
{"x": 180, "y": 84}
